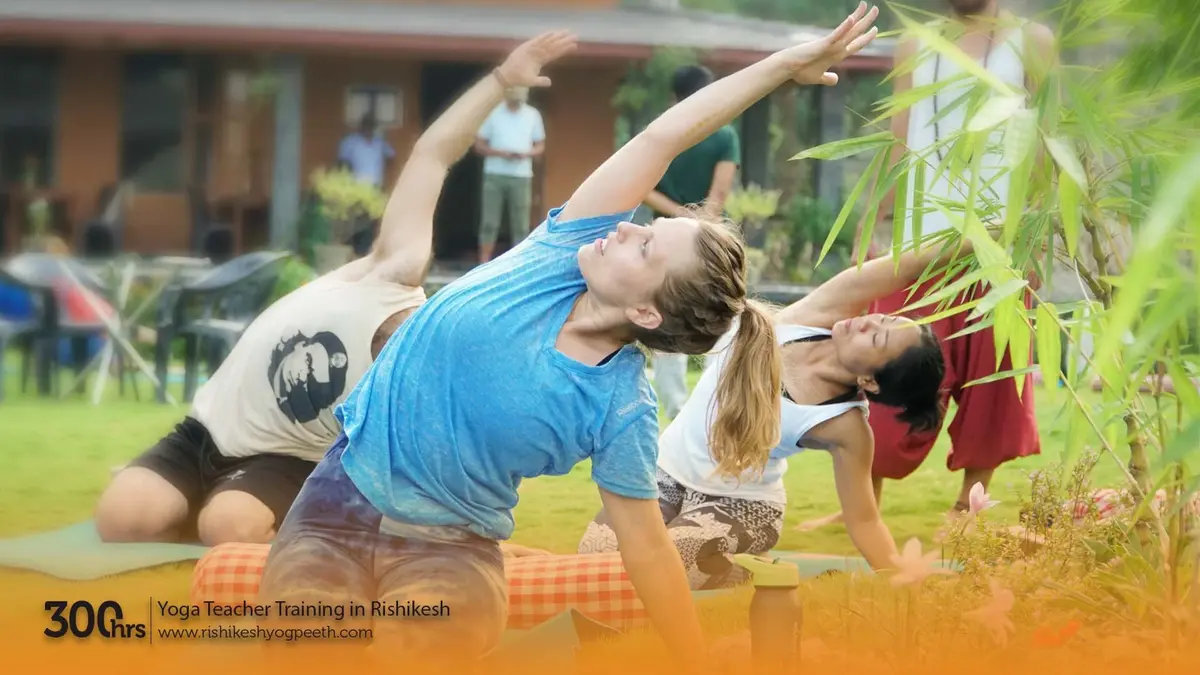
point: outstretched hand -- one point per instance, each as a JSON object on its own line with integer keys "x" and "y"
{"x": 809, "y": 63}
{"x": 524, "y": 65}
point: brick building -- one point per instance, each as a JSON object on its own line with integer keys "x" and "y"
{"x": 228, "y": 106}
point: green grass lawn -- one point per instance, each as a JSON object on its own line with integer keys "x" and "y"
{"x": 58, "y": 455}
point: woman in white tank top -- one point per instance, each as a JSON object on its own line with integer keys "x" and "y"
{"x": 835, "y": 361}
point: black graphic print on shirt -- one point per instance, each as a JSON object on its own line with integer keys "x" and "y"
{"x": 308, "y": 374}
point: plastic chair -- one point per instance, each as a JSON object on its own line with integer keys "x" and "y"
{"x": 222, "y": 304}
{"x": 41, "y": 275}
{"x": 16, "y": 328}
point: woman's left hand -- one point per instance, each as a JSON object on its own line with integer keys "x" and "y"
{"x": 523, "y": 67}
{"x": 809, "y": 63}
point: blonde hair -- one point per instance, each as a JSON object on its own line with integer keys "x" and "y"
{"x": 698, "y": 307}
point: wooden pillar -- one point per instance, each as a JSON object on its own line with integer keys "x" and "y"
{"x": 756, "y": 144}
{"x": 828, "y": 176}
{"x": 289, "y": 134}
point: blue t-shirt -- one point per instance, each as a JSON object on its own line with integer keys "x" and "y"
{"x": 471, "y": 395}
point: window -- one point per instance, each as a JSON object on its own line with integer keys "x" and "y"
{"x": 154, "y": 101}
{"x": 384, "y": 102}
{"x": 28, "y": 116}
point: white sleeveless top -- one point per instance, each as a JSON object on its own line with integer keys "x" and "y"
{"x": 277, "y": 390}
{"x": 1005, "y": 63}
{"x": 683, "y": 450}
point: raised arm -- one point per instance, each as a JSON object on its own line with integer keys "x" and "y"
{"x": 852, "y": 456}
{"x": 852, "y": 290}
{"x": 899, "y": 128}
{"x": 402, "y": 251}
{"x": 623, "y": 182}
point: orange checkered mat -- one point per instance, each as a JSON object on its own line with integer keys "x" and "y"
{"x": 539, "y": 587}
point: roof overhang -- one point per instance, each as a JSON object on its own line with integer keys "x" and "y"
{"x": 433, "y": 31}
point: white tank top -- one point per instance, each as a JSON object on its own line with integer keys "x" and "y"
{"x": 277, "y": 390}
{"x": 683, "y": 450}
{"x": 1004, "y": 61}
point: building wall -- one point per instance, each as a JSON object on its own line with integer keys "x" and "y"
{"x": 325, "y": 84}
{"x": 89, "y": 116}
{"x": 578, "y": 118}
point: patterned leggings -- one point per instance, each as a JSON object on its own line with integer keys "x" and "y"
{"x": 707, "y": 530}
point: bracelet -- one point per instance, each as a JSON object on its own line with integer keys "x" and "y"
{"x": 500, "y": 78}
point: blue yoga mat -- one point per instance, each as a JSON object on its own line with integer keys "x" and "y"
{"x": 76, "y": 553}
{"x": 811, "y": 566}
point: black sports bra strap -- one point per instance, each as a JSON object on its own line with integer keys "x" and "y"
{"x": 841, "y": 398}
{"x": 810, "y": 338}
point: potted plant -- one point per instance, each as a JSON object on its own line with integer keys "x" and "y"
{"x": 750, "y": 208}
{"x": 345, "y": 204}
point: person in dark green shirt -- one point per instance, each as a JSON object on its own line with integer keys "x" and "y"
{"x": 702, "y": 176}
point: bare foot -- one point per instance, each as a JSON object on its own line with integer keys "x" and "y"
{"x": 818, "y": 523}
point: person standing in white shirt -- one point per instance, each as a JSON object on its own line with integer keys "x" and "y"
{"x": 366, "y": 153}
{"x": 508, "y": 140}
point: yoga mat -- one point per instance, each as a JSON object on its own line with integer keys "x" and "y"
{"x": 76, "y": 553}
{"x": 552, "y": 643}
{"x": 813, "y": 564}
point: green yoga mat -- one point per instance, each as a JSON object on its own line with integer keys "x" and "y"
{"x": 76, "y": 553}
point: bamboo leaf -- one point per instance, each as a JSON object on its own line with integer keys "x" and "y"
{"x": 849, "y": 206}
{"x": 1049, "y": 342}
{"x": 1080, "y": 320}
{"x": 953, "y": 310}
{"x": 899, "y": 213}
{"x": 948, "y": 291}
{"x": 885, "y": 179}
{"x": 973, "y": 327}
{"x": 1078, "y": 430}
{"x": 1183, "y": 445}
{"x": 1068, "y": 204}
{"x": 996, "y": 111}
{"x": 1020, "y": 137}
{"x": 1185, "y": 388}
{"x": 1018, "y": 190}
{"x": 1020, "y": 347}
{"x": 998, "y": 294}
{"x": 1173, "y": 203}
{"x": 1002, "y": 328}
{"x": 918, "y": 205}
{"x": 1002, "y": 375}
{"x": 848, "y": 147}
{"x": 1067, "y": 160}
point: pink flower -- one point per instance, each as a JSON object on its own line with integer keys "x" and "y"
{"x": 994, "y": 615}
{"x": 979, "y": 500}
{"x": 912, "y": 567}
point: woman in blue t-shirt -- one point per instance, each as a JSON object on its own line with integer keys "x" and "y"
{"x": 528, "y": 365}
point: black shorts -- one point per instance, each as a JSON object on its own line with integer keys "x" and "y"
{"x": 189, "y": 460}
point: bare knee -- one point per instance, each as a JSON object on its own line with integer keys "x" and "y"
{"x": 139, "y": 505}
{"x": 235, "y": 517}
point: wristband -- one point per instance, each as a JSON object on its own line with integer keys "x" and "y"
{"x": 500, "y": 78}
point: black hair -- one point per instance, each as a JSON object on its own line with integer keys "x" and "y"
{"x": 689, "y": 80}
{"x": 912, "y": 382}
